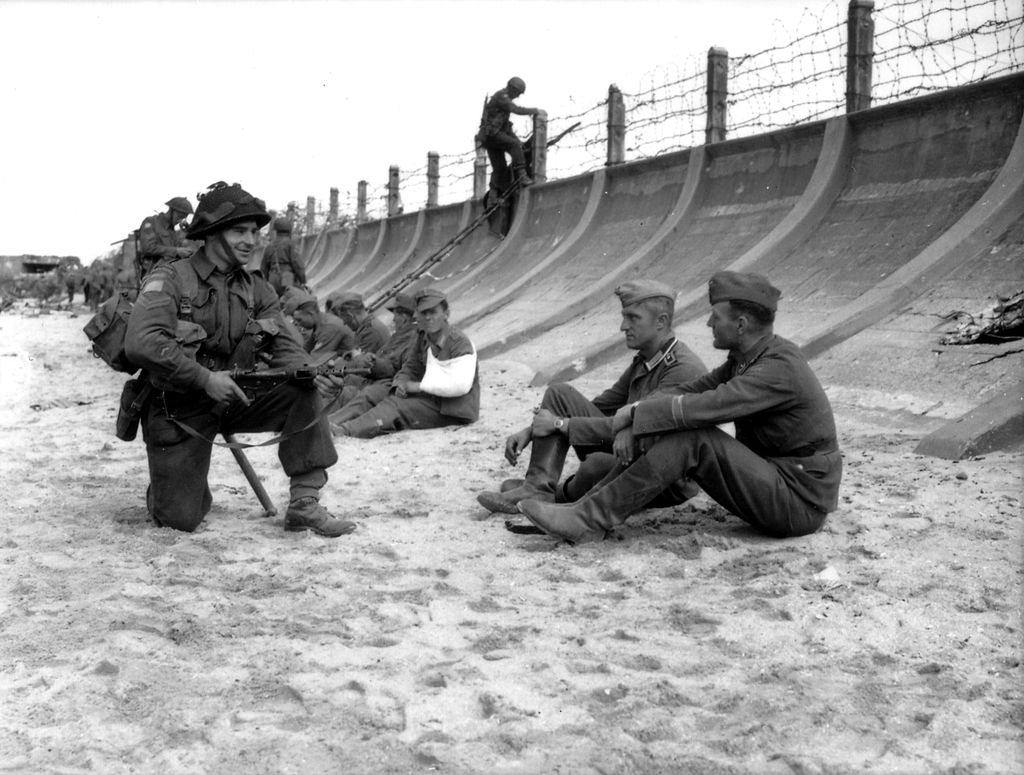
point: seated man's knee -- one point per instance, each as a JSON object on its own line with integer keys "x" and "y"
{"x": 555, "y": 392}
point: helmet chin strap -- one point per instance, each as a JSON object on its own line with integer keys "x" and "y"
{"x": 228, "y": 251}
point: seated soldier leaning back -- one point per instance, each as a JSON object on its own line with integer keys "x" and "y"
{"x": 195, "y": 319}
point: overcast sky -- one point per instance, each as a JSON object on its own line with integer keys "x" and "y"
{"x": 111, "y": 108}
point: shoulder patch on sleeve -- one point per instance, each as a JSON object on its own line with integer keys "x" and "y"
{"x": 153, "y": 285}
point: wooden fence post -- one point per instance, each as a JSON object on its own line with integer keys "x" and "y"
{"x": 540, "y": 147}
{"x": 394, "y": 192}
{"x": 718, "y": 93}
{"x": 310, "y": 214}
{"x": 361, "y": 202}
{"x": 433, "y": 176}
{"x": 616, "y": 126}
{"x": 480, "y": 173}
{"x": 860, "y": 50}
{"x": 332, "y": 213}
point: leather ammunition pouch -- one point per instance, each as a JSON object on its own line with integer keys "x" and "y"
{"x": 134, "y": 395}
{"x": 106, "y": 331}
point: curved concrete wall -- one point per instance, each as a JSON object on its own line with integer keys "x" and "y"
{"x": 435, "y": 229}
{"x": 856, "y": 219}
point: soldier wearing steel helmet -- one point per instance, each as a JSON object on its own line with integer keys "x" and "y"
{"x": 160, "y": 239}
{"x": 195, "y": 319}
{"x": 498, "y": 137}
{"x": 282, "y": 266}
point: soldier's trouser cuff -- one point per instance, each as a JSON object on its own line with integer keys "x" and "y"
{"x": 307, "y": 485}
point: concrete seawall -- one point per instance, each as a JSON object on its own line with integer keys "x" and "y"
{"x": 873, "y": 224}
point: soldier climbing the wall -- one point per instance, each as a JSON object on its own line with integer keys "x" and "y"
{"x": 498, "y": 137}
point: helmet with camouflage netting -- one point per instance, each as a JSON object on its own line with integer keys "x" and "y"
{"x": 223, "y": 205}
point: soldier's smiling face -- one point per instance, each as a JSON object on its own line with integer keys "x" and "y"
{"x": 241, "y": 239}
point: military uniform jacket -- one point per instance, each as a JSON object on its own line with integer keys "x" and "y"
{"x": 674, "y": 365}
{"x": 371, "y": 335}
{"x": 282, "y": 256}
{"x": 456, "y": 344}
{"x": 394, "y": 353}
{"x": 778, "y": 406}
{"x": 496, "y": 118}
{"x": 225, "y": 305}
{"x": 331, "y": 337}
{"x": 158, "y": 239}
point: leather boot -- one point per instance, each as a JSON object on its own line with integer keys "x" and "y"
{"x": 546, "y": 461}
{"x": 602, "y": 510}
{"x": 524, "y": 179}
{"x": 308, "y": 514}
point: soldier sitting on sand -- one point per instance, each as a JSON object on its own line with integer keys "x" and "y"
{"x": 438, "y": 385}
{"x": 566, "y": 418}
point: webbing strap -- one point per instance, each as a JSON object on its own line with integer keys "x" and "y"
{"x": 328, "y": 407}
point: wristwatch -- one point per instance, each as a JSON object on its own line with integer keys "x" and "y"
{"x": 559, "y": 423}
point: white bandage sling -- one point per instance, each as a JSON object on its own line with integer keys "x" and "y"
{"x": 450, "y": 378}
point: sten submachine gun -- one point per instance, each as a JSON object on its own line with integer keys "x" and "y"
{"x": 255, "y": 382}
{"x": 258, "y": 382}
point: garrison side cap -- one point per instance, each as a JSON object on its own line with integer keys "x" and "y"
{"x": 402, "y": 301}
{"x": 340, "y": 299}
{"x": 294, "y": 298}
{"x": 636, "y": 291}
{"x": 740, "y": 286}
{"x": 428, "y": 298}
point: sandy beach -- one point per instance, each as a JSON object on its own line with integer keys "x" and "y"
{"x": 434, "y": 640}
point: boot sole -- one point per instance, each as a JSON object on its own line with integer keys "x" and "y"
{"x": 526, "y": 530}
{"x": 318, "y": 531}
{"x": 493, "y": 501}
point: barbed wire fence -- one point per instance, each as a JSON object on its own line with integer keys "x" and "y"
{"x": 920, "y": 46}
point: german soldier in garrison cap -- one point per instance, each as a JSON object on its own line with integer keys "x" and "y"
{"x": 282, "y": 265}
{"x": 160, "y": 239}
{"x": 498, "y": 137}
{"x": 371, "y": 334}
{"x": 437, "y": 385}
{"x": 359, "y": 393}
{"x": 197, "y": 319}
{"x": 328, "y": 335}
{"x": 780, "y": 473}
{"x": 566, "y": 418}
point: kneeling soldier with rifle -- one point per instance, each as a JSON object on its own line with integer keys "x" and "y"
{"x": 198, "y": 319}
